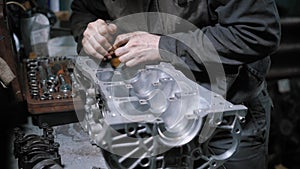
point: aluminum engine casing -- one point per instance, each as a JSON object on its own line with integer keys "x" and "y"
{"x": 142, "y": 114}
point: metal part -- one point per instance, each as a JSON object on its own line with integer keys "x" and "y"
{"x": 43, "y": 81}
{"x": 34, "y": 151}
{"x": 46, "y": 92}
{"x": 139, "y": 120}
{"x": 32, "y": 64}
{"x": 43, "y": 75}
{"x": 64, "y": 87}
{"x": 74, "y": 82}
{"x": 52, "y": 79}
{"x": 52, "y": 89}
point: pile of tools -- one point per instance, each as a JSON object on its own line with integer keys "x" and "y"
{"x": 37, "y": 152}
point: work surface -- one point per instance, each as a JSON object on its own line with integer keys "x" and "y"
{"x": 75, "y": 148}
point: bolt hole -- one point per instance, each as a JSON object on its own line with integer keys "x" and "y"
{"x": 131, "y": 130}
{"x": 242, "y": 119}
{"x": 145, "y": 162}
{"x": 143, "y": 101}
{"x": 218, "y": 121}
{"x": 171, "y": 98}
{"x": 155, "y": 84}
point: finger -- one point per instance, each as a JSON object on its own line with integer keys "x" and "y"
{"x": 107, "y": 32}
{"x": 89, "y": 50}
{"x": 103, "y": 42}
{"x": 132, "y": 62}
{"x": 96, "y": 46}
{"x": 104, "y": 32}
{"x": 100, "y": 22}
{"x": 126, "y": 57}
{"x": 112, "y": 28}
{"x": 101, "y": 27}
{"x": 89, "y": 32}
{"x": 121, "y": 40}
{"x": 121, "y": 51}
{"x": 94, "y": 27}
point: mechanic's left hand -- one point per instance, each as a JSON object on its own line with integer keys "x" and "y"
{"x": 139, "y": 47}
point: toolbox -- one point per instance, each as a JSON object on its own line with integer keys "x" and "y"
{"x": 48, "y": 87}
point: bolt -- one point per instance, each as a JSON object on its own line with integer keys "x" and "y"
{"x": 52, "y": 88}
{"x": 64, "y": 87}
{"x": 43, "y": 75}
{"x": 46, "y": 92}
{"x": 52, "y": 79}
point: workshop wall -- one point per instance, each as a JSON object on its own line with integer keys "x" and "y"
{"x": 56, "y": 5}
{"x": 284, "y": 88}
{"x": 288, "y": 7}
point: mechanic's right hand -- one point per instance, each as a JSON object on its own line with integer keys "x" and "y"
{"x": 97, "y": 38}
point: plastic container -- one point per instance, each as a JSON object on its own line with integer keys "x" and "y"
{"x": 35, "y": 34}
{"x": 62, "y": 46}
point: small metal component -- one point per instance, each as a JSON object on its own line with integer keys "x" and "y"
{"x": 43, "y": 75}
{"x": 32, "y": 79}
{"x": 35, "y": 95}
{"x": 50, "y": 97}
{"x": 64, "y": 87}
{"x": 52, "y": 79}
{"x": 34, "y": 91}
{"x": 43, "y": 98}
{"x": 33, "y": 82}
{"x": 32, "y": 65}
{"x": 73, "y": 95}
{"x": 58, "y": 96}
{"x": 65, "y": 96}
{"x": 34, "y": 88}
{"x": 52, "y": 89}
{"x": 46, "y": 92}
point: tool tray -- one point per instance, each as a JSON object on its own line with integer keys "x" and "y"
{"x": 44, "y": 96}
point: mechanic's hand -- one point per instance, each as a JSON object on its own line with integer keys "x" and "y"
{"x": 97, "y": 37}
{"x": 139, "y": 47}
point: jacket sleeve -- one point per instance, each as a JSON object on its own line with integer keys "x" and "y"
{"x": 242, "y": 32}
{"x": 84, "y": 12}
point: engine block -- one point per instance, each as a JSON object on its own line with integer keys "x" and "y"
{"x": 153, "y": 117}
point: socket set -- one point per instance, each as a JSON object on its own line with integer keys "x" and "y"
{"x": 49, "y": 84}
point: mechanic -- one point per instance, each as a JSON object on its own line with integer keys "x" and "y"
{"x": 243, "y": 32}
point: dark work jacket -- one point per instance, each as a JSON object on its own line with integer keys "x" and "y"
{"x": 243, "y": 32}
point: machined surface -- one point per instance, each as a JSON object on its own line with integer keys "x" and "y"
{"x": 145, "y": 113}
